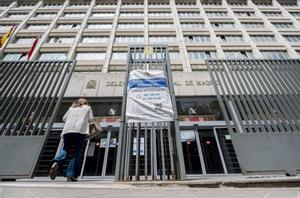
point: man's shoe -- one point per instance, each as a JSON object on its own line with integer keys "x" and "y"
{"x": 53, "y": 171}
{"x": 71, "y": 179}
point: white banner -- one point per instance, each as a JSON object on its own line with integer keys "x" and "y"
{"x": 148, "y": 97}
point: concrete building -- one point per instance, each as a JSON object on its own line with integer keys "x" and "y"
{"x": 97, "y": 33}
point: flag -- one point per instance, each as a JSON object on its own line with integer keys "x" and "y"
{"x": 32, "y": 47}
{"x": 6, "y": 36}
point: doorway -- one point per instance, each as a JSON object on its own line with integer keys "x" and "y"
{"x": 100, "y": 155}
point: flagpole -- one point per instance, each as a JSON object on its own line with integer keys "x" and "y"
{"x": 8, "y": 39}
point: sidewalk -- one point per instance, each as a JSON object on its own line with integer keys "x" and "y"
{"x": 237, "y": 181}
{"x": 200, "y": 187}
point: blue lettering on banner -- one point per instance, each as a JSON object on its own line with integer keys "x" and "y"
{"x": 145, "y": 83}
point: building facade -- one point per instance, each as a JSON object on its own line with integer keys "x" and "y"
{"x": 97, "y": 34}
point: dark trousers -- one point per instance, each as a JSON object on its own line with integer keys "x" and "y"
{"x": 71, "y": 141}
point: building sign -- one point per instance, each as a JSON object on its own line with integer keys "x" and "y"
{"x": 148, "y": 97}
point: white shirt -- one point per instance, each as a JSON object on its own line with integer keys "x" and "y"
{"x": 77, "y": 120}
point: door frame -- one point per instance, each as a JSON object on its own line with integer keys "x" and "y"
{"x": 214, "y": 125}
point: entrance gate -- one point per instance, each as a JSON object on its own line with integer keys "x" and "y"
{"x": 152, "y": 150}
{"x": 31, "y": 93}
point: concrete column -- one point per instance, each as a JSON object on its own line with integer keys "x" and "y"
{"x": 111, "y": 39}
{"x": 146, "y": 28}
{"x": 291, "y": 52}
{"x": 180, "y": 39}
{"x": 212, "y": 34}
{"x": 72, "y": 51}
{"x": 246, "y": 37}
{"x": 45, "y": 36}
{"x": 22, "y": 24}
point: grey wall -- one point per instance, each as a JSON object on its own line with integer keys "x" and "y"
{"x": 18, "y": 155}
{"x": 265, "y": 152}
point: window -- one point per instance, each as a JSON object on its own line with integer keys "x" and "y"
{"x": 237, "y": 54}
{"x": 5, "y": 27}
{"x": 283, "y": 25}
{"x": 52, "y": 5}
{"x": 182, "y": 3}
{"x": 272, "y": 14}
{"x": 174, "y": 55}
{"x": 222, "y": 25}
{"x": 289, "y": 4}
{"x": 25, "y": 40}
{"x": 274, "y": 54}
{"x": 99, "y": 26}
{"x": 130, "y": 25}
{"x": 295, "y": 14}
{"x": 95, "y": 39}
{"x": 229, "y": 38}
{"x": 119, "y": 56}
{"x": 69, "y": 26}
{"x": 211, "y": 4}
{"x": 17, "y": 15}
{"x": 37, "y": 27}
{"x": 53, "y": 56}
{"x": 131, "y": 14}
{"x": 197, "y": 38}
{"x": 129, "y": 39}
{"x": 90, "y": 56}
{"x": 161, "y": 25}
{"x": 46, "y": 15}
{"x": 103, "y": 14}
{"x": 216, "y": 14}
{"x": 61, "y": 39}
{"x": 74, "y": 14}
{"x": 132, "y": 3}
{"x": 264, "y": 4}
{"x": 156, "y": 3}
{"x": 159, "y": 14}
{"x": 262, "y": 38}
{"x": 192, "y": 25}
{"x": 78, "y": 4}
{"x": 188, "y": 14}
{"x": 244, "y": 14}
{"x": 292, "y": 38}
{"x": 13, "y": 57}
{"x": 195, "y": 55}
{"x": 162, "y": 39}
{"x": 105, "y": 4}
{"x": 252, "y": 25}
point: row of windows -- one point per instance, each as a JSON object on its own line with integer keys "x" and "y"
{"x": 137, "y": 14}
{"x": 193, "y": 55}
{"x": 160, "y": 39}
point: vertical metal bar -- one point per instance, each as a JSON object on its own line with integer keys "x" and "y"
{"x": 40, "y": 84}
{"x": 42, "y": 103}
{"x": 122, "y": 140}
{"x": 171, "y": 149}
{"x": 137, "y": 156}
{"x": 84, "y": 159}
{"x": 128, "y": 154}
{"x": 18, "y": 93}
{"x": 146, "y": 151}
{"x": 163, "y": 163}
{"x": 104, "y": 165}
{"x": 179, "y": 153}
{"x": 220, "y": 152}
{"x": 152, "y": 152}
{"x": 216, "y": 84}
{"x": 203, "y": 168}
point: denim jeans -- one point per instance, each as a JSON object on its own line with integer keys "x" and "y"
{"x": 72, "y": 141}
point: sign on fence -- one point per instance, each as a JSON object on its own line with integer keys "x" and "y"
{"x": 148, "y": 98}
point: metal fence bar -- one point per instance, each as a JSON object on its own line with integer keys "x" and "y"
{"x": 268, "y": 89}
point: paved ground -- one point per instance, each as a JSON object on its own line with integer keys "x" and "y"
{"x": 43, "y": 188}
